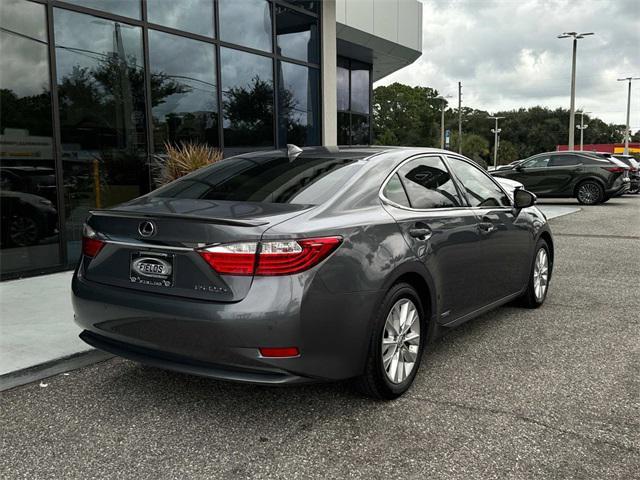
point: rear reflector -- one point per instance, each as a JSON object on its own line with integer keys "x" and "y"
{"x": 281, "y": 257}
{"x": 283, "y": 352}
{"x": 91, "y": 245}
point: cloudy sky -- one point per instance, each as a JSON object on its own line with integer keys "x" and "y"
{"x": 506, "y": 54}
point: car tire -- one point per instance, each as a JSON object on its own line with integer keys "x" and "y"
{"x": 590, "y": 193}
{"x": 533, "y": 297}
{"x": 384, "y": 350}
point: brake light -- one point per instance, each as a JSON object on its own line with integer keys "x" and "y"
{"x": 91, "y": 245}
{"x": 614, "y": 169}
{"x": 232, "y": 258}
{"x": 280, "y": 257}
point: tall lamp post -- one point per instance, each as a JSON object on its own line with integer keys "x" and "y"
{"x": 572, "y": 110}
{"x": 582, "y": 127}
{"x": 495, "y": 131}
{"x": 627, "y": 132}
{"x": 444, "y": 105}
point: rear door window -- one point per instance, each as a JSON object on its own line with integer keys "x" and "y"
{"x": 428, "y": 184}
{"x": 564, "y": 161}
{"x": 395, "y": 192}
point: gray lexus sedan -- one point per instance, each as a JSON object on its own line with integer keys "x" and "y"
{"x": 318, "y": 264}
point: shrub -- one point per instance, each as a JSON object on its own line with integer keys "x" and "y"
{"x": 183, "y": 158}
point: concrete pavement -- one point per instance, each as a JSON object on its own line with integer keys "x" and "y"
{"x": 548, "y": 393}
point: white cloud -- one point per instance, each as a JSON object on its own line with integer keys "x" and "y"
{"x": 506, "y": 54}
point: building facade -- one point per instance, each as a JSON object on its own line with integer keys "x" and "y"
{"x": 92, "y": 90}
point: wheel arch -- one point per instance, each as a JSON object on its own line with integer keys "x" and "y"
{"x": 546, "y": 236}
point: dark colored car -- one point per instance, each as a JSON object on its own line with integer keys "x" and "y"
{"x": 330, "y": 264}
{"x": 26, "y": 219}
{"x": 587, "y": 177}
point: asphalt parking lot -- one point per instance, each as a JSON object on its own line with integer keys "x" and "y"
{"x": 548, "y": 393}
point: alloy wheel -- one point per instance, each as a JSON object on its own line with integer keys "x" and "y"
{"x": 541, "y": 274}
{"x": 23, "y": 231}
{"x": 588, "y": 193}
{"x": 400, "y": 340}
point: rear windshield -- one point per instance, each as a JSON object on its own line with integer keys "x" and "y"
{"x": 303, "y": 180}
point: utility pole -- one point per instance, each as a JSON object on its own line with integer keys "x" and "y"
{"x": 495, "y": 131}
{"x": 572, "y": 109}
{"x": 627, "y": 132}
{"x": 444, "y": 105}
{"x": 582, "y": 127}
{"x": 460, "y": 117}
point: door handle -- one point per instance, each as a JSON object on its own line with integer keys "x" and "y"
{"x": 421, "y": 233}
{"x": 486, "y": 225}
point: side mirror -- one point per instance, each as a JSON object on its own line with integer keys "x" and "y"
{"x": 519, "y": 167}
{"x": 523, "y": 198}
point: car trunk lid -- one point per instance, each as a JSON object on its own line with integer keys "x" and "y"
{"x": 151, "y": 244}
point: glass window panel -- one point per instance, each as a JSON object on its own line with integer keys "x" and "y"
{"x": 298, "y": 98}
{"x": 360, "y": 87}
{"x": 102, "y": 115}
{"x": 28, "y": 194}
{"x": 394, "y": 191}
{"x": 23, "y": 17}
{"x": 342, "y": 81}
{"x": 480, "y": 188}
{"x": 126, "y": 8}
{"x": 343, "y": 129}
{"x": 246, "y": 22}
{"x": 360, "y": 130}
{"x": 297, "y": 35}
{"x": 183, "y": 94}
{"x": 311, "y": 5}
{"x": 247, "y": 96}
{"x": 194, "y": 16}
{"x": 266, "y": 178}
{"x": 429, "y": 184}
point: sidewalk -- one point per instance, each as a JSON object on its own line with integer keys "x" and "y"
{"x": 37, "y": 334}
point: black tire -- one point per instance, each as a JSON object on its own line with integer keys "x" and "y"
{"x": 605, "y": 199}
{"x": 374, "y": 382}
{"x": 590, "y": 192}
{"x": 529, "y": 298}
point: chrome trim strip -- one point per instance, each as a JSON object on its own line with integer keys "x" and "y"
{"x": 147, "y": 246}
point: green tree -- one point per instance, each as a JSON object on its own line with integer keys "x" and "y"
{"x": 405, "y": 115}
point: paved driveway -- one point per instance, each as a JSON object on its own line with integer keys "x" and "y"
{"x": 550, "y": 393}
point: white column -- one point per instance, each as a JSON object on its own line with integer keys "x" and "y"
{"x": 329, "y": 57}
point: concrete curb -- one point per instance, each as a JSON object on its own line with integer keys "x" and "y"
{"x": 51, "y": 368}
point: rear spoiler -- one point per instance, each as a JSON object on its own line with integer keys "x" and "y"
{"x": 191, "y": 218}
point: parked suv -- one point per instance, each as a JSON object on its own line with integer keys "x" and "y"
{"x": 589, "y": 178}
{"x": 634, "y": 169}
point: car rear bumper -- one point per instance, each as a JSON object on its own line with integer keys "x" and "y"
{"x": 618, "y": 190}
{"x": 222, "y": 340}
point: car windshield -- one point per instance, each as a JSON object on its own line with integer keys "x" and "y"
{"x": 307, "y": 180}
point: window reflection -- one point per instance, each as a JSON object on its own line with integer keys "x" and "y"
{"x": 126, "y": 8}
{"x": 28, "y": 195}
{"x": 342, "y": 83}
{"x": 297, "y": 35}
{"x": 246, "y": 22}
{"x": 359, "y": 129}
{"x": 247, "y": 93}
{"x": 194, "y": 16}
{"x": 344, "y": 127}
{"x": 183, "y": 92}
{"x": 298, "y": 105}
{"x": 359, "y": 87}
{"x": 102, "y": 114}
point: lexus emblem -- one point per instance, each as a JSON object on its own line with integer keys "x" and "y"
{"x": 147, "y": 229}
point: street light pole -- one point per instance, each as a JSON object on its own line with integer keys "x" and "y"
{"x": 582, "y": 127}
{"x": 495, "y": 131}
{"x": 572, "y": 125}
{"x": 444, "y": 104}
{"x": 627, "y": 132}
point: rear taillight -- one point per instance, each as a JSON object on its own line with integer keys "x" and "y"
{"x": 281, "y": 257}
{"x": 614, "y": 169}
{"x": 91, "y": 245}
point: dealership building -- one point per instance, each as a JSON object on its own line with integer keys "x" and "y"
{"x": 93, "y": 90}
